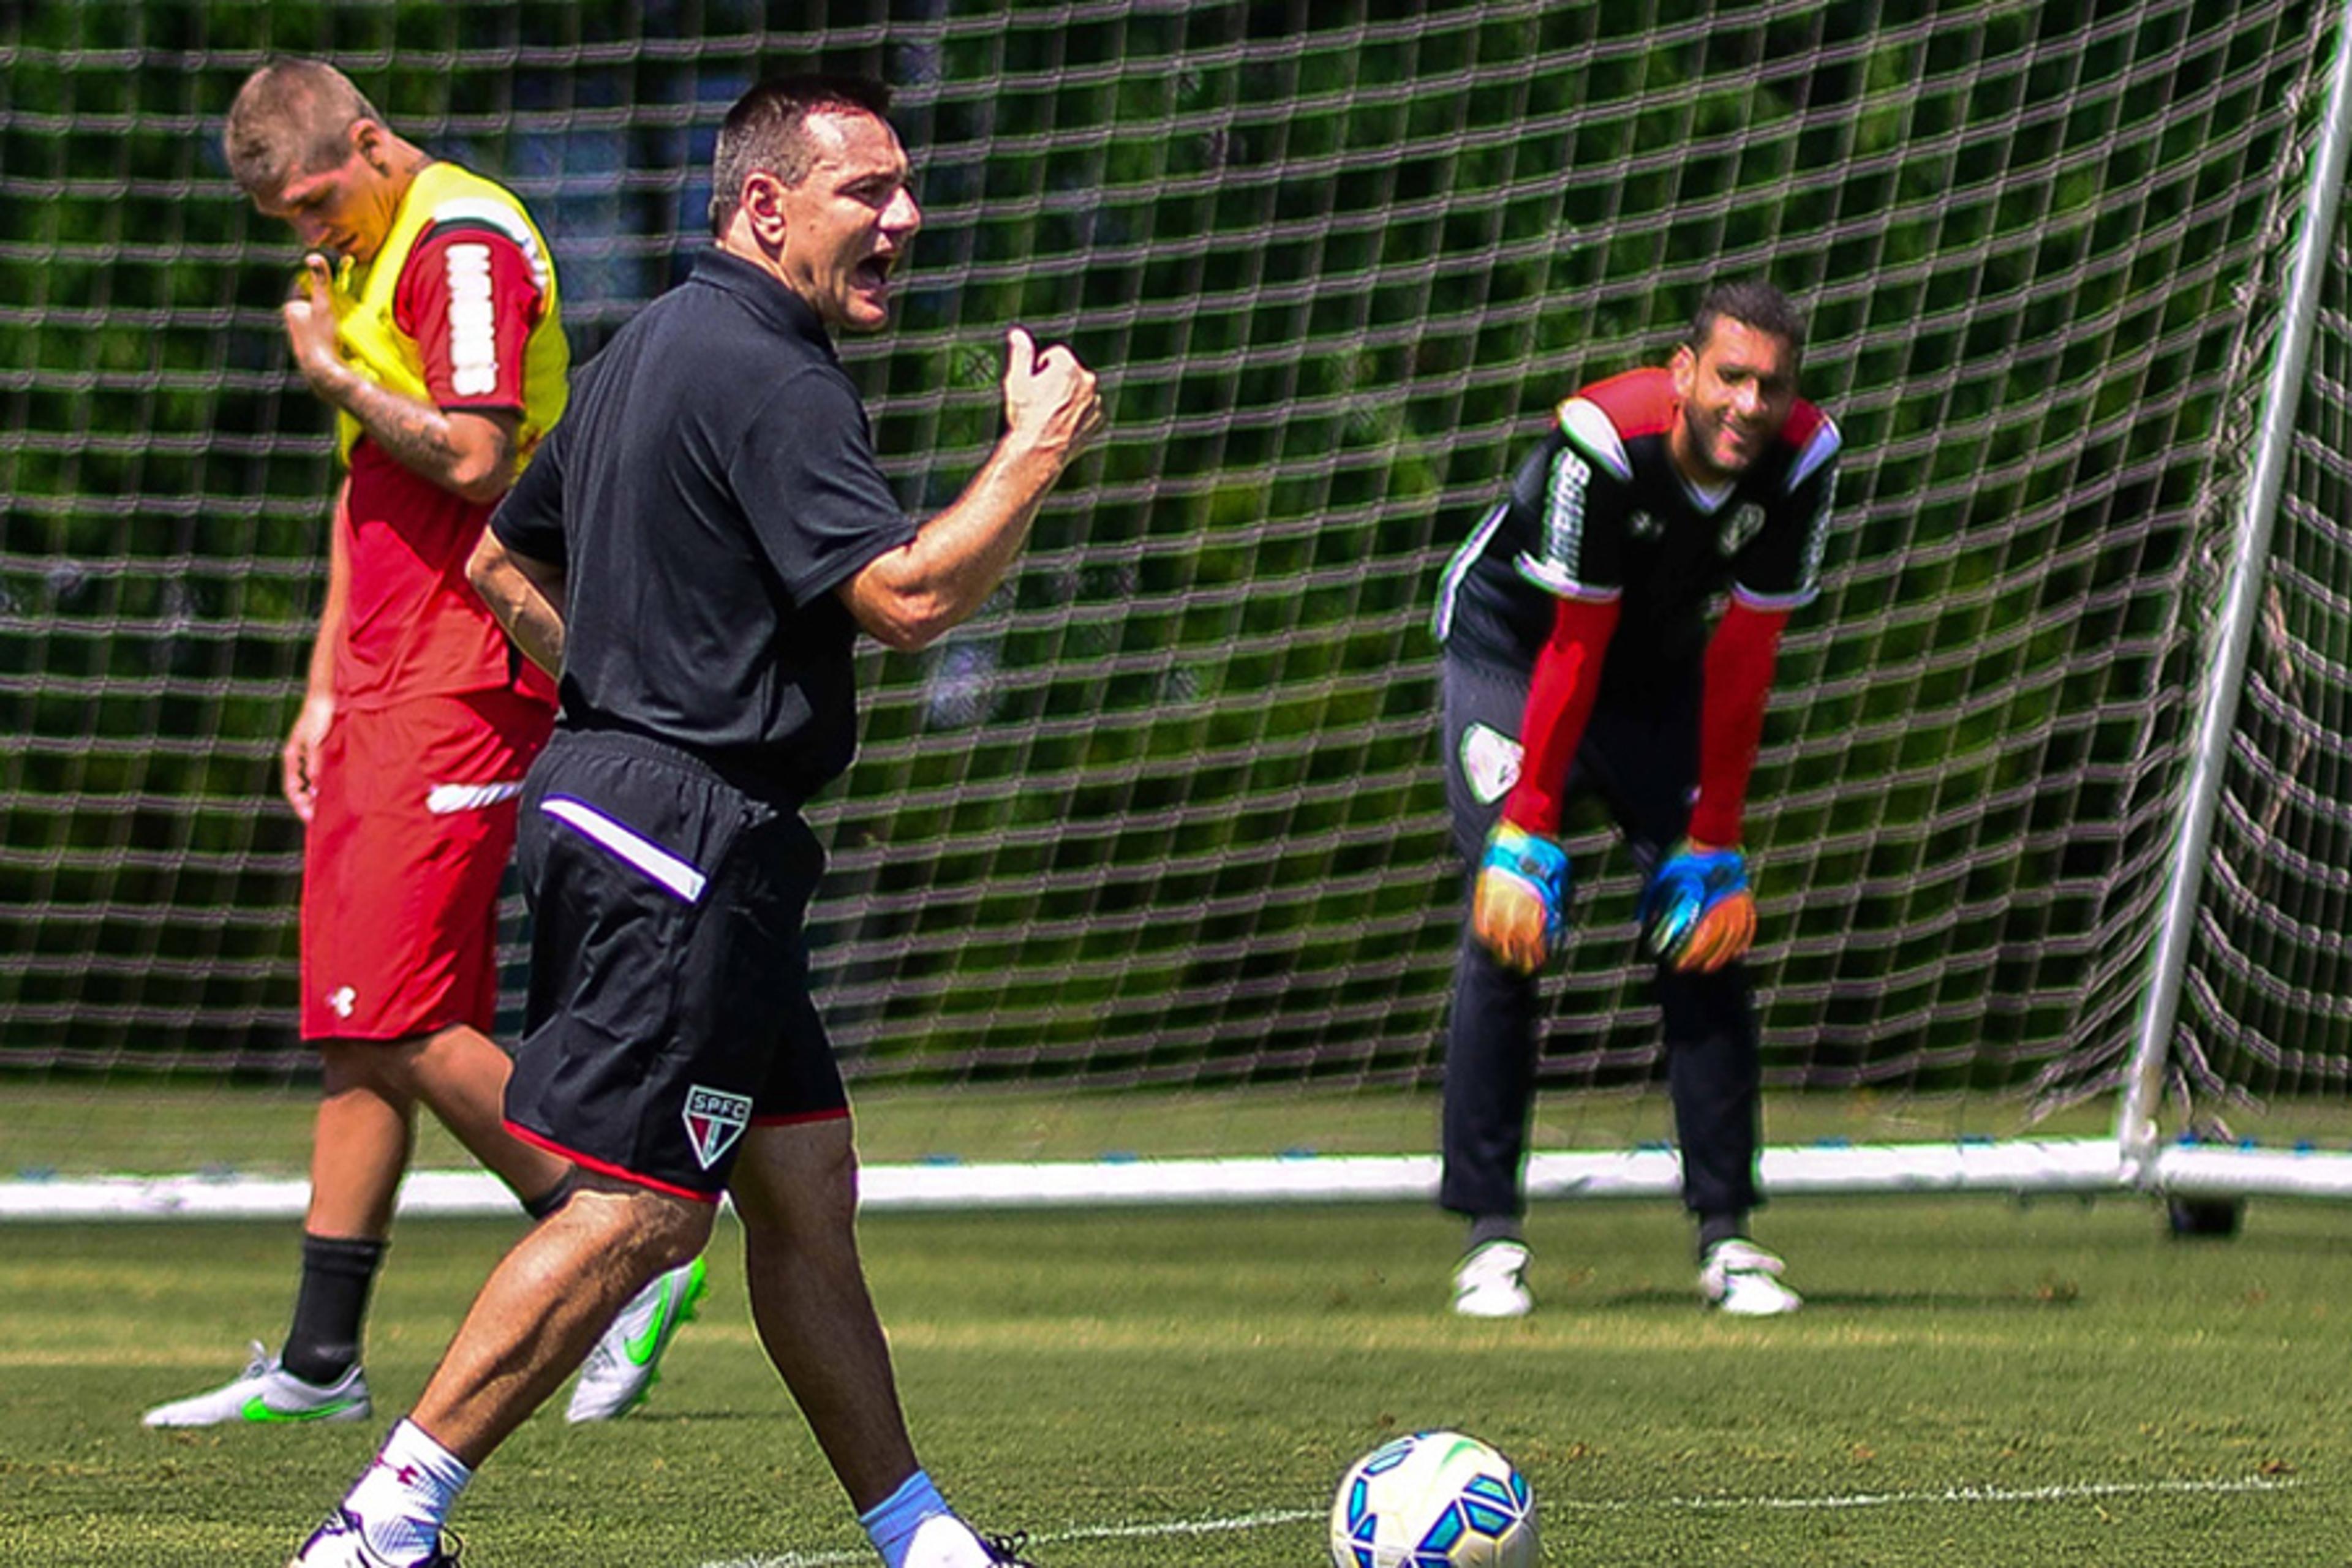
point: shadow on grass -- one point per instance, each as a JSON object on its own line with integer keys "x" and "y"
{"x": 2042, "y": 1300}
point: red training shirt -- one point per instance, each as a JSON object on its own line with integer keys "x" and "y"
{"x": 413, "y": 625}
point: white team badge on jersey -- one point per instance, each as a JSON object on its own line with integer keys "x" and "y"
{"x": 1490, "y": 764}
{"x": 342, "y": 1000}
{"x": 1744, "y": 525}
{"x": 714, "y": 1120}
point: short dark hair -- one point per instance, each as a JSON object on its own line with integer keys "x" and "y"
{"x": 292, "y": 117}
{"x": 1755, "y": 305}
{"x": 766, "y": 129}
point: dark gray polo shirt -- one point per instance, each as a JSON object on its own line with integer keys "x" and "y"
{"x": 711, "y": 483}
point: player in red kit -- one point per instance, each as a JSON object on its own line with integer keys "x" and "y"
{"x": 427, "y": 318}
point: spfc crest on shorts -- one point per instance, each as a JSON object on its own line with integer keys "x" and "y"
{"x": 714, "y": 1121}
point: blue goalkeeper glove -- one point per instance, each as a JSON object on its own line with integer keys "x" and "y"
{"x": 1698, "y": 913}
{"x": 1519, "y": 907}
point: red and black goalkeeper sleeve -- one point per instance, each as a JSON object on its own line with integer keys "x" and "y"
{"x": 1561, "y": 694}
{"x": 1731, "y": 717}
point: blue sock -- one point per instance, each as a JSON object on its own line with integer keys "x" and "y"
{"x": 891, "y": 1523}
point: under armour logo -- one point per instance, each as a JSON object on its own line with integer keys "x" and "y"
{"x": 406, "y": 1475}
{"x": 343, "y": 999}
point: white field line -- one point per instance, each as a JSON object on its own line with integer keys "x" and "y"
{"x": 1093, "y": 1533}
{"x": 2086, "y": 1492}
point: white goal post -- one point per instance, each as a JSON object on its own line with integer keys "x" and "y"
{"x": 2147, "y": 1162}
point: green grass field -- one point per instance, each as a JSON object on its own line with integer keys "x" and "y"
{"x": 1972, "y": 1383}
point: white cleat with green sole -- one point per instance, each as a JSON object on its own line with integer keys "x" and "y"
{"x": 627, "y": 1362}
{"x": 269, "y": 1396}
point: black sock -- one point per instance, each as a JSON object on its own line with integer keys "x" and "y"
{"x": 337, "y": 1273}
{"x": 1714, "y": 1227}
{"x": 548, "y": 1201}
{"x": 1493, "y": 1228}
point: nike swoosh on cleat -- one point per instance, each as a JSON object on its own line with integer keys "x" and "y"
{"x": 257, "y": 1409}
{"x": 640, "y": 1350}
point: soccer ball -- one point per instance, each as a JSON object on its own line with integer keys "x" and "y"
{"x": 1435, "y": 1500}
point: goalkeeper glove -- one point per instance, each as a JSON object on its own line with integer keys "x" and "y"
{"x": 1697, "y": 911}
{"x": 1519, "y": 907}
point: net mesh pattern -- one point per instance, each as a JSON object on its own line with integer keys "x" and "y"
{"x": 1168, "y": 811}
{"x": 2266, "y": 1007}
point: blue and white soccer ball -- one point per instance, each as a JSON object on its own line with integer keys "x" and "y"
{"x": 1435, "y": 1500}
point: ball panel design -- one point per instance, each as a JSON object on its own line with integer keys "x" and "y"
{"x": 1435, "y": 1499}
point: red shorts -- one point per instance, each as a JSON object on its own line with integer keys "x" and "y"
{"x": 401, "y": 866}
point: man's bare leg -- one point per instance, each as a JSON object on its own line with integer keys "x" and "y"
{"x": 360, "y": 1143}
{"x": 545, "y": 1305}
{"x": 366, "y": 1124}
{"x": 460, "y": 1075}
{"x": 795, "y": 1189}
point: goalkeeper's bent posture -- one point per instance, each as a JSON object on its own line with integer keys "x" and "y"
{"x": 1578, "y": 660}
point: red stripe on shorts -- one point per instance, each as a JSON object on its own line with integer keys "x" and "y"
{"x": 801, "y": 1118}
{"x": 604, "y": 1168}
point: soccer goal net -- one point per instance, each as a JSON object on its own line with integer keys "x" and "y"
{"x": 1150, "y": 858}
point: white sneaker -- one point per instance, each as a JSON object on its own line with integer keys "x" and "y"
{"x": 943, "y": 1541}
{"x": 342, "y": 1543}
{"x": 626, "y": 1363}
{"x": 267, "y": 1395}
{"x": 1487, "y": 1283}
{"x": 1742, "y": 1279}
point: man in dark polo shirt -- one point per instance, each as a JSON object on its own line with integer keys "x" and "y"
{"x": 694, "y": 550}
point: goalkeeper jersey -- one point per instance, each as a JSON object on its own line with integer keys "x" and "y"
{"x": 1599, "y": 512}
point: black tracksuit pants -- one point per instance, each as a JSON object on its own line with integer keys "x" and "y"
{"x": 1641, "y": 759}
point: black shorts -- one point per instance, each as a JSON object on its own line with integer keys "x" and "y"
{"x": 669, "y": 1001}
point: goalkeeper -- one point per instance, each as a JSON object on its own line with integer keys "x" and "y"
{"x": 1579, "y": 660}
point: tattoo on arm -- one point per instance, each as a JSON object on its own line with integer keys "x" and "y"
{"x": 418, "y": 435}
